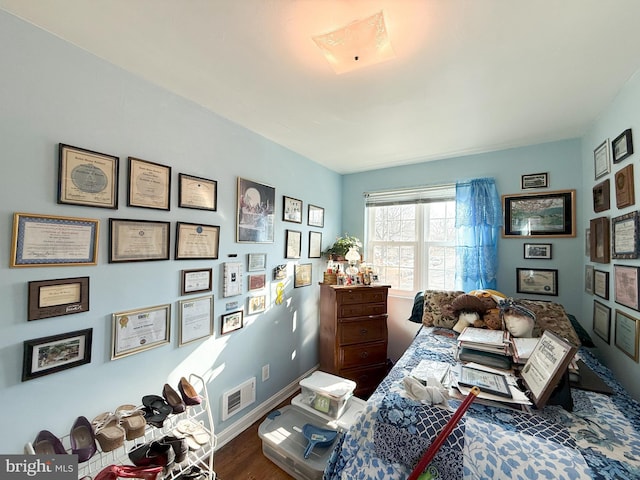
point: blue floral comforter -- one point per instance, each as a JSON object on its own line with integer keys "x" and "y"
{"x": 600, "y": 439}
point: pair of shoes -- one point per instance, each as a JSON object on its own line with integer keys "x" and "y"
{"x": 46, "y": 443}
{"x": 173, "y": 398}
{"x": 189, "y": 394}
{"x": 156, "y": 410}
{"x": 83, "y": 441}
{"x": 194, "y": 433}
{"x": 108, "y": 431}
{"x": 153, "y": 454}
{"x": 179, "y": 445}
{"x": 132, "y": 420}
{"x": 114, "y": 472}
{"x": 194, "y": 473}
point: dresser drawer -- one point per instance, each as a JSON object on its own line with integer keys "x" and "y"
{"x": 361, "y": 310}
{"x": 367, "y": 379}
{"x": 361, "y": 295}
{"x": 360, "y": 355}
{"x": 373, "y": 330}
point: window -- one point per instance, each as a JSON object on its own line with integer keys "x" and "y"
{"x": 411, "y": 238}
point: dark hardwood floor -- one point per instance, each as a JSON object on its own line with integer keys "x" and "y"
{"x": 242, "y": 458}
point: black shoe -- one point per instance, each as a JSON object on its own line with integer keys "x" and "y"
{"x": 179, "y": 445}
{"x": 152, "y": 454}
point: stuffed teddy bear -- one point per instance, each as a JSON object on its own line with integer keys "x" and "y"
{"x": 468, "y": 310}
{"x": 492, "y": 319}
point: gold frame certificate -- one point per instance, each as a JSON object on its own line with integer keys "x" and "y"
{"x": 197, "y": 241}
{"x": 149, "y": 184}
{"x": 138, "y": 240}
{"x": 138, "y": 330}
{"x": 196, "y": 319}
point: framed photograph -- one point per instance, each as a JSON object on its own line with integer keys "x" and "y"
{"x": 534, "y": 180}
{"x": 625, "y": 236}
{"x": 550, "y": 214}
{"x": 601, "y": 284}
{"x": 625, "y": 192}
{"x": 489, "y": 382}
{"x": 602, "y": 165}
{"x": 315, "y": 216}
{"x": 87, "y": 178}
{"x": 46, "y": 355}
{"x": 196, "y": 319}
{"x": 622, "y": 146}
{"x": 138, "y": 240}
{"x": 280, "y": 272}
{"x": 149, "y": 185}
{"x": 302, "y": 275}
{"x": 257, "y": 304}
{"x": 53, "y": 298}
{"x": 197, "y": 192}
{"x": 47, "y": 241}
{"x": 256, "y": 262}
{"x": 546, "y": 366}
{"x": 294, "y": 244}
{"x": 257, "y": 281}
{"x": 602, "y": 196}
{"x": 232, "y": 275}
{"x": 315, "y": 244}
{"x": 231, "y": 322}
{"x": 196, "y": 280}
{"x": 292, "y": 210}
{"x": 197, "y": 241}
{"x": 602, "y": 320}
{"x": 588, "y": 279}
{"x": 537, "y": 281}
{"x": 255, "y": 212}
{"x": 626, "y": 337}
{"x": 626, "y": 285}
{"x": 600, "y": 243}
{"x": 138, "y": 330}
{"x": 537, "y": 251}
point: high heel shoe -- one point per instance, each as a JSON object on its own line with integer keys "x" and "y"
{"x": 189, "y": 394}
{"x": 83, "y": 442}
{"x": 46, "y": 443}
{"x": 132, "y": 420}
{"x": 114, "y": 472}
{"x": 173, "y": 398}
{"x": 109, "y": 434}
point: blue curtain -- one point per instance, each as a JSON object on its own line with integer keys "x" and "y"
{"x": 478, "y": 222}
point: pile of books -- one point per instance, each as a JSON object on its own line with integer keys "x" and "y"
{"x": 487, "y": 347}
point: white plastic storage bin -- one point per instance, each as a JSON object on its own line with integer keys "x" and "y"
{"x": 327, "y": 393}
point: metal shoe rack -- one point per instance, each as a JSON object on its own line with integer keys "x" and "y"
{"x": 202, "y": 458}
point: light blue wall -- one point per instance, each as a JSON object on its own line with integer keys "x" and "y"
{"x": 560, "y": 159}
{"x": 623, "y": 113}
{"x": 52, "y": 92}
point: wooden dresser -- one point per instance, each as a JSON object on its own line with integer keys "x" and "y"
{"x": 353, "y": 334}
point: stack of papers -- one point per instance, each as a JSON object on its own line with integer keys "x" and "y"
{"x": 427, "y": 369}
{"x": 523, "y": 348}
{"x": 518, "y": 397}
{"x": 493, "y": 341}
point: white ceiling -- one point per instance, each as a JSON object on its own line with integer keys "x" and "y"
{"x": 469, "y": 75}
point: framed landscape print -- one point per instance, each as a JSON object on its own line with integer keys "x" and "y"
{"x": 602, "y": 164}
{"x": 537, "y": 251}
{"x": 292, "y": 210}
{"x": 625, "y": 235}
{"x": 257, "y": 281}
{"x": 622, "y": 146}
{"x": 315, "y": 216}
{"x": 537, "y": 281}
{"x": 196, "y": 192}
{"x": 46, "y": 355}
{"x": 149, "y": 184}
{"x": 601, "y": 320}
{"x": 551, "y": 214}
{"x": 534, "y": 180}
{"x": 626, "y": 283}
{"x": 255, "y": 212}
{"x": 87, "y": 178}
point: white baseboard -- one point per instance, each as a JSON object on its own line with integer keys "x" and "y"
{"x": 235, "y": 429}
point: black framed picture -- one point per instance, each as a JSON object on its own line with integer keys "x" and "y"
{"x": 622, "y": 146}
{"x": 315, "y": 216}
{"x": 149, "y": 184}
{"x": 551, "y": 214}
{"x": 197, "y": 192}
{"x": 46, "y": 355}
{"x": 291, "y": 210}
{"x": 294, "y": 244}
{"x": 537, "y": 251}
{"x": 538, "y": 281}
{"x": 255, "y": 212}
{"x": 602, "y": 321}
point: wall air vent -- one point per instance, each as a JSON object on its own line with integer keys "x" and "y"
{"x": 237, "y": 398}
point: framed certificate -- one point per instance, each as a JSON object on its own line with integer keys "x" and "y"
{"x": 196, "y": 319}
{"x": 149, "y": 184}
{"x": 138, "y": 240}
{"x": 625, "y": 236}
{"x": 599, "y": 238}
{"x": 315, "y": 244}
{"x": 196, "y": 241}
{"x": 196, "y": 281}
{"x": 138, "y": 330}
{"x": 53, "y": 298}
{"x": 488, "y": 382}
{"x": 47, "y": 240}
{"x": 625, "y": 192}
{"x": 601, "y": 320}
{"x": 601, "y": 162}
{"x": 87, "y": 178}
{"x": 622, "y": 146}
{"x": 256, "y": 262}
{"x": 196, "y": 192}
{"x": 540, "y": 281}
{"x": 46, "y": 355}
{"x": 626, "y": 337}
{"x": 626, "y": 281}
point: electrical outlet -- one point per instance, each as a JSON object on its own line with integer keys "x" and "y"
{"x": 265, "y": 373}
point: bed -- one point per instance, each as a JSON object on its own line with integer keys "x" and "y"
{"x": 599, "y": 439}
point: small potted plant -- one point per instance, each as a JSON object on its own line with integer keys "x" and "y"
{"x": 341, "y": 246}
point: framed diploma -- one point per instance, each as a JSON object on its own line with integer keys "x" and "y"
{"x": 489, "y": 382}
{"x": 625, "y": 236}
{"x": 546, "y": 366}
{"x": 46, "y": 355}
{"x": 315, "y": 244}
{"x": 196, "y": 192}
{"x": 256, "y": 262}
{"x": 539, "y": 281}
{"x": 87, "y": 178}
{"x": 601, "y": 162}
{"x": 138, "y": 240}
{"x": 196, "y": 241}
{"x": 149, "y": 184}
{"x": 626, "y": 285}
{"x": 625, "y": 192}
{"x": 601, "y": 284}
{"x": 626, "y": 337}
{"x": 231, "y": 322}
{"x": 196, "y": 319}
{"x": 53, "y": 298}
{"x": 47, "y": 241}
{"x": 135, "y": 331}
{"x": 601, "y": 320}
{"x": 196, "y": 281}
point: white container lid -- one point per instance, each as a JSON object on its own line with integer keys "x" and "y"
{"x": 355, "y": 407}
{"x": 328, "y": 384}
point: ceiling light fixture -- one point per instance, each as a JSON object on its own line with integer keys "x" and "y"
{"x": 356, "y": 45}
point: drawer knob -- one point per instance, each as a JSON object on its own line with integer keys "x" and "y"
{"x": 364, "y": 331}
{"x": 364, "y": 354}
